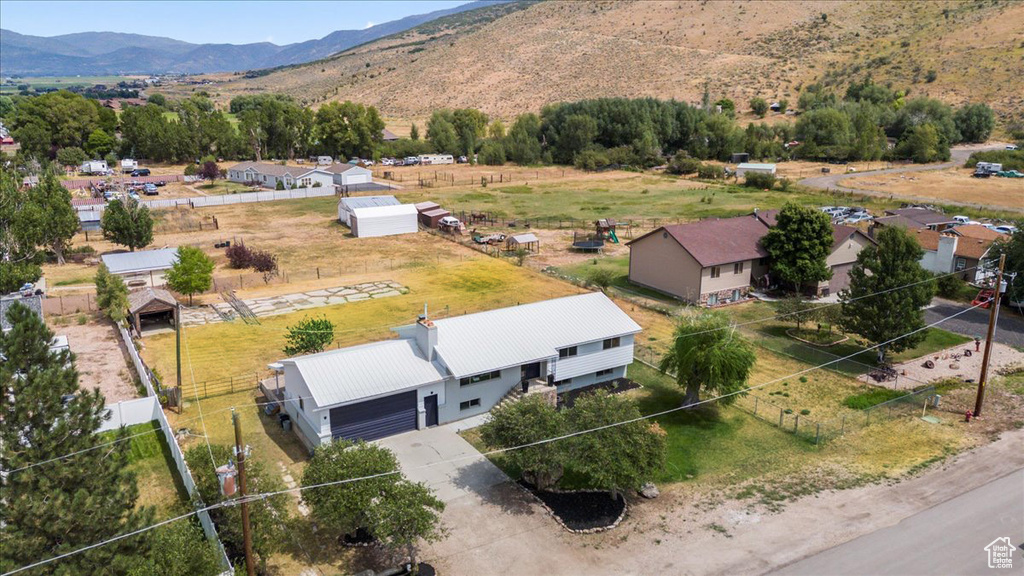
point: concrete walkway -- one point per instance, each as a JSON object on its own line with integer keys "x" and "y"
{"x": 286, "y": 303}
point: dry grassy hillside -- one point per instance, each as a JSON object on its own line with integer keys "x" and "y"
{"x": 554, "y": 51}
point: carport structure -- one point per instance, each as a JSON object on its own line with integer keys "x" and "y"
{"x": 153, "y": 307}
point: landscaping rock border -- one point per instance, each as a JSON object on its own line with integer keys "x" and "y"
{"x": 558, "y": 519}
{"x": 788, "y": 333}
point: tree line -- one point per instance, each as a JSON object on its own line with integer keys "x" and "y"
{"x": 868, "y": 122}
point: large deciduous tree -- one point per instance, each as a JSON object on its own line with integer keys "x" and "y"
{"x": 613, "y": 458}
{"x": 192, "y": 273}
{"x": 525, "y": 422}
{"x": 888, "y": 290}
{"x": 348, "y": 129}
{"x": 57, "y": 507}
{"x": 21, "y": 233}
{"x": 60, "y": 218}
{"x": 975, "y": 122}
{"x": 799, "y": 244}
{"x": 710, "y": 355}
{"x": 1013, "y": 247}
{"x": 128, "y": 223}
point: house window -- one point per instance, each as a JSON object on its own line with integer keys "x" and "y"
{"x": 603, "y": 372}
{"x": 736, "y": 295}
{"x": 565, "y": 382}
{"x": 306, "y": 183}
{"x": 712, "y": 299}
{"x": 475, "y": 402}
{"x": 567, "y": 352}
{"x": 611, "y": 343}
{"x": 716, "y": 271}
{"x": 737, "y": 268}
{"x": 301, "y": 406}
{"x": 961, "y": 263}
{"x": 480, "y": 378}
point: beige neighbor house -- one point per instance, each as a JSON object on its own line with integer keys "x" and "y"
{"x": 963, "y": 249}
{"x": 847, "y": 242}
{"x": 714, "y": 262}
{"x": 710, "y": 262}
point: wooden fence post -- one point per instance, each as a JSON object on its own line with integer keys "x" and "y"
{"x": 755, "y": 405}
{"x": 781, "y": 416}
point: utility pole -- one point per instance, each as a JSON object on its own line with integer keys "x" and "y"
{"x": 177, "y": 349}
{"x": 993, "y": 316}
{"x": 240, "y": 457}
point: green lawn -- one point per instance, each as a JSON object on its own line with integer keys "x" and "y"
{"x": 40, "y": 82}
{"x": 619, "y": 268}
{"x": 224, "y": 187}
{"x": 156, "y": 474}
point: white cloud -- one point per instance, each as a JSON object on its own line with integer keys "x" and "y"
{"x": 368, "y": 25}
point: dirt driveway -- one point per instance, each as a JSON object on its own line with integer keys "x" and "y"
{"x": 99, "y": 358}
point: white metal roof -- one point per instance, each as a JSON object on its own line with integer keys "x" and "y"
{"x": 525, "y": 238}
{"x": 368, "y": 201}
{"x": 378, "y": 211}
{"x": 141, "y": 261}
{"x": 756, "y": 166}
{"x": 359, "y": 372}
{"x": 506, "y": 337}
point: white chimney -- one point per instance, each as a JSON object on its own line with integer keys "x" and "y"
{"x": 426, "y": 335}
{"x": 945, "y": 255}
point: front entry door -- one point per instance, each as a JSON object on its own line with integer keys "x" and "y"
{"x": 530, "y": 371}
{"x": 430, "y": 405}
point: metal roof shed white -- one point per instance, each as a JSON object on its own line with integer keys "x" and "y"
{"x": 347, "y": 205}
{"x": 141, "y": 261}
{"x": 384, "y": 221}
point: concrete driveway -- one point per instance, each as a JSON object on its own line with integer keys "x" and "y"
{"x": 494, "y": 527}
{"x": 1009, "y": 328}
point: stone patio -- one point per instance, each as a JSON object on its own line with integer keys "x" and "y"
{"x": 287, "y": 303}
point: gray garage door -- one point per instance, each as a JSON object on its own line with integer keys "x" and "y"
{"x": 375, "y": 418}
{"x": 840, "y": 278}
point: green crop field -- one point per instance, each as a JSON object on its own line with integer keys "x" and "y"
{"x": 45, "y": 82}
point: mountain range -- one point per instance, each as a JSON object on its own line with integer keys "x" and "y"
{"x": 108, "y": 53}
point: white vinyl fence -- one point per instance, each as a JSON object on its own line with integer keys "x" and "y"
{"x": 179, "y": 458}
{"x": 131, "y": 412}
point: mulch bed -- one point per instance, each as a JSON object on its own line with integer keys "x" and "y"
{"x": 582, "y": 510}
{"x": 617, "y": 386}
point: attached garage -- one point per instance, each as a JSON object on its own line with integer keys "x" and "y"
{"x": 840, "y": 278}
{"x": 375, "y": 418}
{"x": 356, "y": 176}
{"x": 383, "y": 221}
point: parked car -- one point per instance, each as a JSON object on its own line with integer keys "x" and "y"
{"x": 150, "y": 190}
{"x": 462, "y": 160}
{"x": 859, "y": 217}
{"x": 411, "y": 160}
{"x": 1006, "y": 229}
{"x": 133, "y": 195}
{"x": 1012, "y": 147}
{"x": 140, "y": 172}
{"x": 449, "y": 221}
{"x": 367, "y": 162}
{"x": 399, "y": 162}
{"x": 161, "y": 183}
{"x": 387, "y": 161}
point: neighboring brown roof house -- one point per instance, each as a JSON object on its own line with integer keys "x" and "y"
{"x": 716, "y": 242}
{"x": 966, "y": 247}
{"x": 388, "y": 135}
{"x": 978, "y": 232}
{"x": 922, "y": 216}
{"x": 840, "y": 232}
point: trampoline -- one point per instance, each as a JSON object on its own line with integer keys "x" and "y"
{"x": 588, "y": 245}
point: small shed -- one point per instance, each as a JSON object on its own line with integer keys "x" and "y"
{"x": 528, "y": 241}
{"x": 422, "y": 207}
{"x": 430, "y": 218}
{"x": 754, "y": 167}
{"x": 89, "y": 220}
{"x": 152, "y": 308}
{"x": 347, "y": 205}
{"x": 384, "y": 221}
{"x": 739, "y": 157}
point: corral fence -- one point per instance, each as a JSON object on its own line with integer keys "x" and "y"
{"x": 801, "y": 424}
{"x": 184, "y": 473}
{"x": 64, "y": 305}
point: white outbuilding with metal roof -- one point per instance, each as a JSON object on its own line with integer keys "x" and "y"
{"x": 453, "y": 368}
{"x": 142, "y": 268}
{"x": 347, "y": 205}
{"x": 747, "y": 167}
{"x": 384, "y": 220}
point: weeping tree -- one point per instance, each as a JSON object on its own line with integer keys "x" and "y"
{"x": 710, "y": 355}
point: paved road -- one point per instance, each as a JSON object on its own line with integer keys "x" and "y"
{"x": 949, "y": 538}
{"x": 1010, "y": 328}
{"x": 958, "y": 155}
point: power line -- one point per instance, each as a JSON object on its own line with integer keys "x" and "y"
{"x": 199, "y": 405}
{"x": 265, "y": 495}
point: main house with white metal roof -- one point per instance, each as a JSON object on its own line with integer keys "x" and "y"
{"x": 438, "y": 371}
{"x": 270, "y": 175}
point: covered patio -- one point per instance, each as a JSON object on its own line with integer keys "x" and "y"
{"x": 152, "y": 310}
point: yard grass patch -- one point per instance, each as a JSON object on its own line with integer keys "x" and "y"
{"x": 156, "y": 474}
{"x": 869, "y": 398}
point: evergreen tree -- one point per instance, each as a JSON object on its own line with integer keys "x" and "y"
{"x": 61, "y": 506}
{"x": 877, "y": 306}
{"x": 61, "y": 219}
{"x": 111, "y": 294}
{"x": 414, "y": 132}
{"x": 799, "y": 244}
{"x": 127, "y": 223}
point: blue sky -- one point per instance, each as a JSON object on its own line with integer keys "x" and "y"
{"x": 209, "y": 22}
